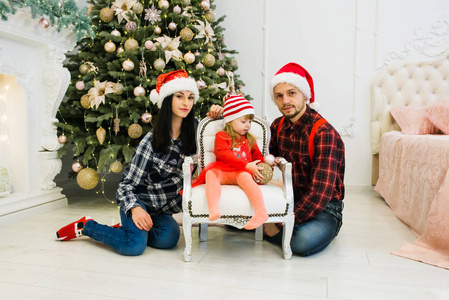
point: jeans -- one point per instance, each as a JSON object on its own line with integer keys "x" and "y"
{"x": 130, "y": 240}
{"x": 312, "y": 236}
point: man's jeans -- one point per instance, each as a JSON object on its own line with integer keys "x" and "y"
{"x": 129, "y": 240}
{"x": 313, "y": 235}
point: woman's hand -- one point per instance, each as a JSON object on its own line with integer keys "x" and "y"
{"x": 215, "y": 111}
{"x": 254, "y": 169}
{"x": 141, "y": 218}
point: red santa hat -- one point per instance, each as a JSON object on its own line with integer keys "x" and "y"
{"x": 169, "y": 83}
{"x": 236, "y": 106}
{"x": 296, "y": 75}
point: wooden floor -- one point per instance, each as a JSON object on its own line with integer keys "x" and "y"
{"x": 231, "y": 265}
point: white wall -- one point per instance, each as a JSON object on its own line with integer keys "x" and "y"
{"x": 342, "y": 44}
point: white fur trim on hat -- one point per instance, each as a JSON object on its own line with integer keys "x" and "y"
{"x": 293, "y": 79}
{"x": 173, "y": 86}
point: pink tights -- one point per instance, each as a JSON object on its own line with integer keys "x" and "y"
{"x": 214, "y": 180}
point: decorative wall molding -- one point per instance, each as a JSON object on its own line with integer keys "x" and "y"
{"x": 431, "y": 43}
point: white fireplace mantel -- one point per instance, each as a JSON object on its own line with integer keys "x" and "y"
{"x": 31, "y": 64}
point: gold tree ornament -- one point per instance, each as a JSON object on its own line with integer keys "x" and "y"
{"x": 116, "y": 166}
{"x": 101, "y": 135}
{"x": 128, "y": 65}
{"x": 146, "y": 117}
{"x": 87, "y": 178}
{"x": 267, "y": 172}
{"x": 209, "y": 60}
{"x": 109, "y": 47}
{"x": 131, "y": 45}
{"x": 85, "y": 101}
{"x": 118, "y": 88}
{"x": 106, "y": 14}
{"x": 135, "y": 131}
{"x": 116, "y": 124}
{"x": 186, "y": 34}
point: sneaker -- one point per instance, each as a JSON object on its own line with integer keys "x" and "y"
{"x": 73, "y": 230}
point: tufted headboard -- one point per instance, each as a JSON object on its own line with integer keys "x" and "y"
{"x": 405, "y": 84}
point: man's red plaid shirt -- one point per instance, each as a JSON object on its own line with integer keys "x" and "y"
{"x": 314, "y": 185}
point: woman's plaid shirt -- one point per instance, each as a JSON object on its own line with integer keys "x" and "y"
{"x": 314, "y": 185}
{"x": 154, "y": 178}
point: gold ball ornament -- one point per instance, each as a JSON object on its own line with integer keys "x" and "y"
{"x": 62, "y": 139}
{"x": 159, "y": 64}
{"x": 87, "y": 178}
{"x": 234, "y": 63}
{"x": 84, "y": 68}
{"x": 269, "y": 159}
{"x": 163, "y": 4}
{"x": 157, "y": 30}
{"x": 139, "y": 91}
{"x": 189, "y": 57}
{"x": 101, "y": 135}
{"x": 135, "y": 131}
{"x": 131, "y": 45}
{"x": 116, "y": 166}
{"x": 109, "y": 47}
{"x": 210, "y": 16}
{"x": 85, "y": 101}
{"x": 146, "y": 117}
{"x": 186, "y": 34}
{"x": 115, "y": 32}
{"x": 120, "y": 50}
{"x": 209, "y": 60}
{"x": 76, "y": 167}
{"x": 106, "y": 14}
{"x": 118, "y": 88}
{"x": 128, "y": 65}
{"x": 267, "y": 173}
{"x": 186, "y": 2}
{"x": 138, "y": 8}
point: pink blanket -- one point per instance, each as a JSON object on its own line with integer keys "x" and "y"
{"x": 414, "y": 181}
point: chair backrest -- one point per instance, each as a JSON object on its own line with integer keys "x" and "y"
{"x": 207, "y": 129}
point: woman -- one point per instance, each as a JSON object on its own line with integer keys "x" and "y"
{"x": 148, "y": 193}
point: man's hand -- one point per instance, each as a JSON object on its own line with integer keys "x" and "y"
{"x": 215, "y": 111}
{"x": 270, "y": 229}
{"x": 141, "y": 218}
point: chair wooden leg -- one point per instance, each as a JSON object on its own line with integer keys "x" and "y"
{"x": 202, "y": 232}
{"x": 287, "y": 236}
{"x": 187, "y": 229}
{"x": 259, "y": 233}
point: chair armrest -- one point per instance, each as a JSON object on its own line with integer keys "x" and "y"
{"x": 286, "y": 169}
{"x": 187, "y": 168}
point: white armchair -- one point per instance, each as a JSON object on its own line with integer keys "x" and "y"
{"x": 235, "y": 207}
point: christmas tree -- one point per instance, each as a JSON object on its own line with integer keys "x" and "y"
{"x": 107, "y": 108}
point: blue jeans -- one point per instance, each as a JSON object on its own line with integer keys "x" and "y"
{"x": 312, "y": 236}
{"x": 130, "y": 240}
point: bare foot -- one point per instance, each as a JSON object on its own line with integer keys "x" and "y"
{"x": 214, "y": 216}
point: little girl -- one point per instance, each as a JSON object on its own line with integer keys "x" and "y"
{"x": 237, "y": 156}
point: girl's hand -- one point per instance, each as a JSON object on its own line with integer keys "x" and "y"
{"x": 141, "y": 218}
{"x": 254, "y": 169}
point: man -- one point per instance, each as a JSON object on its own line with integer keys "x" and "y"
{"x": 318, "y": 166}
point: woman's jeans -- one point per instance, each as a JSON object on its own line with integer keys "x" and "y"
{"x": 313, "y": 235}
{"x": 130, "y": 240}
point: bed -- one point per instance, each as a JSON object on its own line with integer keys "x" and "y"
{"x": 410, "y": 147}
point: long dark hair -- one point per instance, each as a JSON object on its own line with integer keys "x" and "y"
{"x": 162, "y": 129}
